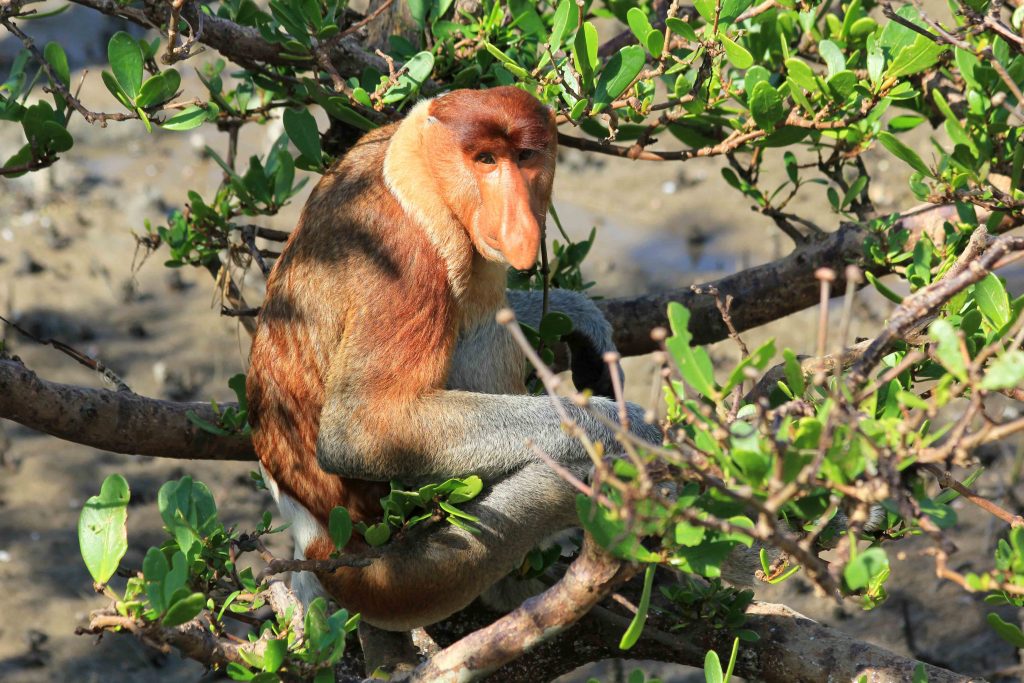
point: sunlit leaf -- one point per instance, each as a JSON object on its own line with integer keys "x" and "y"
{"x": 102, "y": 531}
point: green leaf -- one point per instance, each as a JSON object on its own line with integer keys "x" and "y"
{"x": 469, "y": 489}
{"x": 758, "y": 359}
{"x": 456, "y": 512}
{"x": 566, "y": 16}
{"x": 898, "y": 149}
{"x": 882, "y": 288}
{"x": 655, "y": 43}
{"x": 274, "y": 654}
{"x": 377, "y": 534}
{"x": 102, "y": 530}
{"x": 337, "y": 108}
{"x": 794, "y": 373}
{"x": 801, "y": 74}
{"x": 417, "y": 71}
{"x": 636, "y": 626}
{"x": 638, "y": 24}
{"x": 947, "y": 348}
{"x": 301, "y": 128}
{"x": 682, "y": 28}
{"x": 115, "y": 89}
{"x": 922, "y": 54}
{"x": 993, "y": 301}
{"x": 186, "y": 119}
{"x": 866, "y": 566}
{"x": 689, "y": 534}
{"x": 737, "y": 54}
{"x": 125, "y": 57}
{"x": 584, "y": 52}
{"x": 1011, "y": 633}
{"x": 713, "y": 668}
{"x": 731, "y": 9}
{"x": 184, "y": 610}
{"x": 610, "y": 532}
{"x": 506, "y": 61}
{"x": 418, "y": 10}
{"x": 833, "y": 57}
{"x": 618, "y": 74}
{"x": 841, "y": 85}
{"x": 158, "y": 89}
{"x": 1005, "y": 372}
{"x": 766, "y": 105}
{"x": 694, "y": 363}
{"x": 188, "y": 511}
{"x": 339, "y": 527}
{"x": 58, "y": 61}
{"x": 154, "y": 572}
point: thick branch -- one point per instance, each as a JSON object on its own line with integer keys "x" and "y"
{"x": 795, "y": 648}
{"x": 592, "y": 576}
{"x": 761, "y": 294}
{"x": 791, "y": 648}
{"x": 117, "y": 421}
{"x": 240, "y": 44}
{"x": 124, "y": 422}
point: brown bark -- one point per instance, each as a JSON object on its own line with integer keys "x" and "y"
{"x": 796, "y": 649}
{"x": 117, "y": 421}
{"x": 765, "y": 293}
{"x": 240, "y": 44}
{"x": 591, "y": 577}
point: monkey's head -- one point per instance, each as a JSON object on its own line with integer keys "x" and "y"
{"x": 494, "y": 162}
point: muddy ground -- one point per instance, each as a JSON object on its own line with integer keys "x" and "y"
{"x": 70, "y": 269}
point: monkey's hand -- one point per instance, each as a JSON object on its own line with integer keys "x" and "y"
{"x": 589, "y": 340}
{"x": 589, "y": 369}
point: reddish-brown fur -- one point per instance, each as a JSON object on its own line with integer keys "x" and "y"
{"x": 362, "y": 301}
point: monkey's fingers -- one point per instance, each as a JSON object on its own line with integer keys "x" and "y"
{"x": 589, "y": 371}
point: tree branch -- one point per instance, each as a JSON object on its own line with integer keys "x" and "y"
{"x": 240, "y": 44}
{"x": 592, "y": 576}
{"x": 117, "y": 421}
{"x": 764, "y": 293}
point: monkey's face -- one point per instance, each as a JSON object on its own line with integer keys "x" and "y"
{"x": 497, "y": 154}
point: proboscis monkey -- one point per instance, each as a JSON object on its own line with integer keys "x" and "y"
{"x": 378, "y": 356}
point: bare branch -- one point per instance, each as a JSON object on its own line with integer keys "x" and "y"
{"x": 592, "y": 576}
{"x": 121, "y": 422}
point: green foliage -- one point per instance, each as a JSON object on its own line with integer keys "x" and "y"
{"x": 403, "y": 509}
{"x": 194, "y": 572}
{"x": 230, "y": 419}
{"x": 787, "y": 87}
{"x": 102, "y": 530}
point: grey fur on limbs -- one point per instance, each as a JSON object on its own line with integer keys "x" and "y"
{"x": 475, "y": 427}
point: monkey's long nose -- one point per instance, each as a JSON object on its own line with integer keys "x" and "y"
{"x": 518, "y": 231}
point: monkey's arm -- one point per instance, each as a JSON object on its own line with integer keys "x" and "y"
{"x": 457, "y": 433}
{"x": 590, "y": 339}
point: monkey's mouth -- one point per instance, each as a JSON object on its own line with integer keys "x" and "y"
{"x": 490, "y": 249}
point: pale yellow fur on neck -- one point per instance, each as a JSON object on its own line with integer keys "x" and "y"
{"x": 485, "y": 293}
{"x": 408, "y": 178}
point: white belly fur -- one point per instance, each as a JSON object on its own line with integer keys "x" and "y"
{"x": 304, "y": 528}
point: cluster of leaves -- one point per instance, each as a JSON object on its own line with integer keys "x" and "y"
{"x": 194, "y": 575}
{"x": 45, "y": 126}
{"x": 403, "y": 509}
{"x": 231, "y": 419}
{"x": 809, "y": 447}
{"x": 729, "y": 78}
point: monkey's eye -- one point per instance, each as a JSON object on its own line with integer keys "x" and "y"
{"x": 526, "y": 154}
{"x": 485, "y": 158}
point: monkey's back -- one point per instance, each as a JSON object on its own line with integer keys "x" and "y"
{"x": 341, "y": 245}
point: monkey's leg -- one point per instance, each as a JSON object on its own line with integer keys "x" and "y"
{"x": 432, "y": 571}
{"x": 392, "y": 650}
